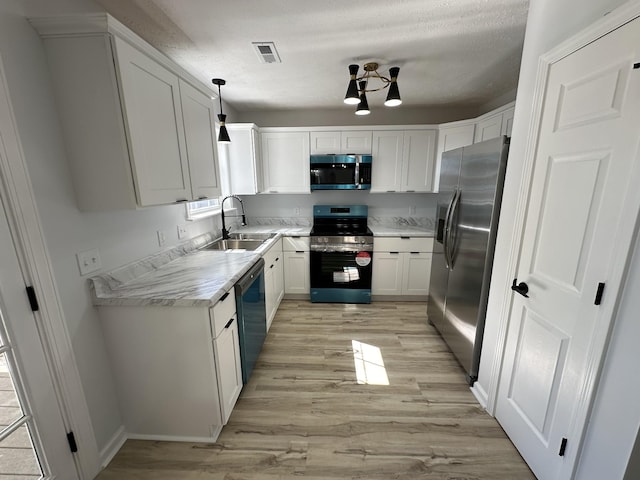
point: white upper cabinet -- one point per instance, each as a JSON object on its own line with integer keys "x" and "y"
{"x": 403, "y": 161}
{"x": 418, "y": 152}
{"x": 136, "y": 132}
{"x": 151, "y": 98}
{"x": 285, "y": 158}
{"x": 507, "y": 121}
{"x": 488, "y": 128}
{"x": 386, "y": 167}
{"x": 341, "y": 142}
{"x": 452, "y": 136}
{"x": 242, "y": 159}
{"x": 199, "y": 130}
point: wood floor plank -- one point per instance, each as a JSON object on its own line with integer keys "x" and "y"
{"x": 305, "y": 413}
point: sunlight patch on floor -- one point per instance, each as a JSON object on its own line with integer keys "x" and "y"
{"x": 369, "y": 364}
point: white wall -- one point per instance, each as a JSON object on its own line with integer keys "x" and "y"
{"x": 381, "y": 205}
{"x": 549, "y": 23}
{"x": 120, "y": 236}
{"x": 402, "y": 115}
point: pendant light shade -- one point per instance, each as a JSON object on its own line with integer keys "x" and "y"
{"x": 352, "y": 97}
{"x": 223, "y": 134}
{"x": 363, "y": 106}
{"x": 393, "y": 97}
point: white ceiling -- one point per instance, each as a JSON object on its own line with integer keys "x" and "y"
{"x": 450, "y": 52}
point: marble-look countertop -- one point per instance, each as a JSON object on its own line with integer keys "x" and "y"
{"x": 285, "y": 230}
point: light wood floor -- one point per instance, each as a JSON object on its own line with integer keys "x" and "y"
{"x": 304, "y": 414}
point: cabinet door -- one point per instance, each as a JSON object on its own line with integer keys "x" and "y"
{"x": 386, "y": 170}
{"x": 488, "y": 128}
{"x": 242, "y": 160}
{"x": 387, "y": 273}
{"x": 507, "y": 122}
{"x": 199, "y": 128}
{"x": 296, "y": 272}
{"x": 286, "y": 162}
{"x": 278, "y": 279}
{"x": 269, "y": 293}
{"x": 356, "y": 141}
{"x": 417, "y": 163}
{"x": 151, "y": 99}
{"x": 416, "y": 273}
{"x": 325, "y": 142}
{"x": 450, "y": 138}
{"x": 229, "y": 369}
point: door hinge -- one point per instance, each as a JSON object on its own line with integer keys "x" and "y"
{"x": 563, "y": 447}
{"x": 599, "y": 293}
{"x": 73, "y": 446}
{"x": 33, "y": 300}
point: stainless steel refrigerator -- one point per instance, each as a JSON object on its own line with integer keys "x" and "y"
{"x": 470, "y": 192}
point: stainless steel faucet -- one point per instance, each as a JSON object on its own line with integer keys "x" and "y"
{"x": 225, "y": 232}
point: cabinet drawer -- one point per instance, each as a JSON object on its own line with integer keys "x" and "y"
{"x": 222, "y": 312}
{"x": 403, "y": 244}
{"x": 295, "y": 244}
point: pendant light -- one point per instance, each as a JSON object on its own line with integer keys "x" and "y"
{"x": 223, "y": 135}
{"x": 355, "y": 95}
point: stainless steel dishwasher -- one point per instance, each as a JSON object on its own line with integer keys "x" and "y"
{"x": 252, "y": 317}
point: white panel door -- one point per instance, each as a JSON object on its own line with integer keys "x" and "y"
{"x": 286, "y": 162}
{"x": 33, "y": 440}
{"x": 579, "y": 204}
{"x": 386, "y": 169}
{"x": 418, "y": 153}
{"x": 199, "y": 131}
{"x": 151, "y": 97}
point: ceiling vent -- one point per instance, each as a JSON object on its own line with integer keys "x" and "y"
{"x": 267, "y": 52}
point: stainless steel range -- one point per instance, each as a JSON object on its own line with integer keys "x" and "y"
{"x": 341, "y": 254}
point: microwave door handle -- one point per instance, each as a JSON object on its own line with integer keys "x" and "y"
{"x": 357, "y": 173}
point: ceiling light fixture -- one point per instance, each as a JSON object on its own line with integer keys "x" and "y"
{"x": 223, "y": 135}
{"x": 358, "y": 87}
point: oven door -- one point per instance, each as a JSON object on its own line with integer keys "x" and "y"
{"x": 341, "y": 276}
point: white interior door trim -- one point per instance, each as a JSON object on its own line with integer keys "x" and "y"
{"x": 618, "y": 17}
{"x": 33, "y": 256}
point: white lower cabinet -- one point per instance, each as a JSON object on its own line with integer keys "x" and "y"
{"x": 226, "y": 348}
{"x": 296, "y": 265}
{"x": 273, "y": 280}
{"x": 177, "y": 369}
{"x": 401, "y": 266}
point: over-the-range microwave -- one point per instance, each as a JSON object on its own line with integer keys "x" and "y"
{"x": 340, "y": 172}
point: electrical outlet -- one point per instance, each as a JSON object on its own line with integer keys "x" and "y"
{"x": 161, "y": 239}
{"x": 297, "y": 211}
{"x": 182, "y": 230}
{"x": 89, "y": 261}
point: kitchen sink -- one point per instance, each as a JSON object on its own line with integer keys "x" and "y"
{"x": 234, "y": 244}
{"x": 251, "y": 236}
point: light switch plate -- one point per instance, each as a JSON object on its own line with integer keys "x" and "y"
{"x": 161, "y": 238}
{"x": 89, "y": 261}
{"x": 182, "y": 230}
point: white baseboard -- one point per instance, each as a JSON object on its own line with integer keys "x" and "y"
{"x": 480, "y": 394}
{"x": 174, "y": 438}
{"x": 114, "y": 445}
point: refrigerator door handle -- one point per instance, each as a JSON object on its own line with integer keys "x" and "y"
{"x": 450, "y": 247}
{"x": 445, "y": 241}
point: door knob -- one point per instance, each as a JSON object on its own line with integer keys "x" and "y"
{"x": 521, "y": 288}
